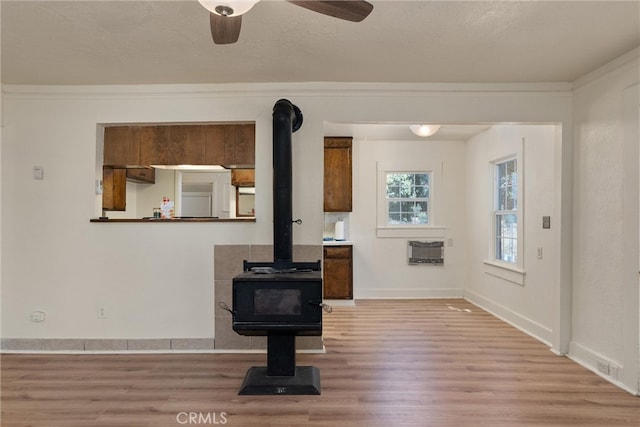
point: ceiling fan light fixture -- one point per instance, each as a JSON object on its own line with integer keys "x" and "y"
{"x": 424, "y": 130}
{"x": 228, "y": 7}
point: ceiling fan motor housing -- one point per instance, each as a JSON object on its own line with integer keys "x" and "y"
{"x": 223, "y": 10}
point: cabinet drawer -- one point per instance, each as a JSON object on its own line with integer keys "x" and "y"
{"x": 337, "y": 252}
{"x": 147, "y": 175}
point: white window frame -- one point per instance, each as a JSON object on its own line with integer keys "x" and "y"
{"x": 500, "y": 197}
{"x": 433, "y": 229}
{"x": 401, "y": 200}
{"x": 510, "y": 271}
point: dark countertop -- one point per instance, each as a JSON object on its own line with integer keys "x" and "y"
{"x": 174, "y": 220}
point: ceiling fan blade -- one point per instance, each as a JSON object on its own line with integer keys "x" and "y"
{"x": 349, "y": 10}
{"x": 225, "y": 29}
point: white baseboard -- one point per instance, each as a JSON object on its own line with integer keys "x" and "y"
{"x": 595, "y": 362}
{"x": 528, "y": 326}
{"x": 408, "y": 293}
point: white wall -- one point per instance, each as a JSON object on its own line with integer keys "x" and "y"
{"x": 149, "y": 196}
{"x": 156, "y": 280}
{"x": 1, "y": 174}
{"x": 380, "y": 263}
{"x": 605, "y": 263}
{"x": 525, "y": 304}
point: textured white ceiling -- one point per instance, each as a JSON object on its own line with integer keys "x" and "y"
{"x": 138, "y": 42}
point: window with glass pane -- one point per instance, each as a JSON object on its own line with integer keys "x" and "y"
{"x": 506, "y": 216}
{"x": 408, "y": 198}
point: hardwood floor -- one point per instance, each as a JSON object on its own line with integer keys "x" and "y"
{"x": 388, "y": 363}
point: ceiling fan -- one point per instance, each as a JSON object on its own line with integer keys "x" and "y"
{"x": 226, "y": 15}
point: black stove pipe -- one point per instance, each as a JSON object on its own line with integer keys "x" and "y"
{"x": 287, "y": 118}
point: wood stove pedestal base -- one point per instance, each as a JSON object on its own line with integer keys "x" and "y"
{"x": 306, "y": 381}
{"x": 281, "y": 375}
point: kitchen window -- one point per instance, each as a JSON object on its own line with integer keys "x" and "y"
{"x": 407, "y": 198}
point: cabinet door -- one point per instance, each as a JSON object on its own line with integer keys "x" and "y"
{"x": 243, "y": 177}
{"x": 175, "y": 145}
{"x": 338, "y": 272}
{"x": 239, "y": 145}
{"x": 337, "y": 175}
{"x": 114, "y": 189}
{"x": 145, "y": 136}
{"x": 165, "y": 148}
{"x": 214, "y": 145}
{"x": 245, "y": 145}
{"x": 121, "y": 146}
{"x": 230, "y": 145}
{"x": 189, "y": 142}
{"x": 161, "y": 150}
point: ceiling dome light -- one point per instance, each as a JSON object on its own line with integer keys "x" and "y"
{"x": 228, "y": 7}
{"x": 424, "y": 130}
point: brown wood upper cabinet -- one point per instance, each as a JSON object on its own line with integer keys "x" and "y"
{"x": 174, "y": 145}
{"x": 122, "y": 144}
{"x": 239, "y": 145}
{"x": 243, "y": 177}
{"x": 231, "y": 145}
{"x": 337, "y": 174}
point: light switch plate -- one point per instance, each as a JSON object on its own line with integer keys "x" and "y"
{"x": 38, "y": 172}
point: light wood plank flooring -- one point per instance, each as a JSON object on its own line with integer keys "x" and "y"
{"x": 388, "y": 363}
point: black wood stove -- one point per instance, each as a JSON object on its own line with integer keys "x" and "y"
{"x": 280, "y": 299}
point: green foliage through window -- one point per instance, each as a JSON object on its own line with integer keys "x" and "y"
{"x": 506, "y": 216}
{"x": 408, "y": 198}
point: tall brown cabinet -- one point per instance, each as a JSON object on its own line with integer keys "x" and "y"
{"x": 338, "y": 259}
{"x": 337, "y": 174}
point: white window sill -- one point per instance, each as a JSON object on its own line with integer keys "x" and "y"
{"x": 505, "y": 271}
{"x": 412, "y": 231}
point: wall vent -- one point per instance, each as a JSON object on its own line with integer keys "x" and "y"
{"x": 425, "y": 252}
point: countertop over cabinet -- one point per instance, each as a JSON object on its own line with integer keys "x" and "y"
{"x": 174, "y": 220}
{"x": 337, "y": 243}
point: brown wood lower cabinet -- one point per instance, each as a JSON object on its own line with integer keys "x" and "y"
{"x": 114, "y": 185}
{"x": 338, "y": 272}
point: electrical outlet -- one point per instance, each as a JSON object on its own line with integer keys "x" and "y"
{"x": 37, "y": 316}
{"x": 603, "y": 367}
{"x": 539, "y": 253}
{"x": 614, "y": 372}
{"x": 102, "y": 313}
